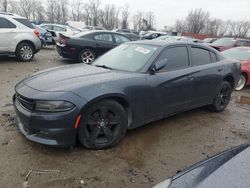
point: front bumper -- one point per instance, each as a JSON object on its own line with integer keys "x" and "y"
{"x": 54, "y": 129}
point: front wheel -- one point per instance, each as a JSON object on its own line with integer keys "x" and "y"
{"x": 103, "y": 125}
{"x": 25, "y": 52}
{"x": 242, "y": 82}
{"x": 222, "y": 99}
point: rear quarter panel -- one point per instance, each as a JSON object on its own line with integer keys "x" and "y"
{"x": 233, "y": 68}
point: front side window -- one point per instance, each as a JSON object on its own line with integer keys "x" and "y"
{"x": 103, "y": 37}
{"x": 47, "y": 27}
{"x": 121, "y": 39}
{"x": 6, "y": 24}
{"x": 177, "y": 58}
{"x": 200, "y": 56}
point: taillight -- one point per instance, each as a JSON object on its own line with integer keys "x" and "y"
{"x": 37, "y": 33}
{"x": 63, "y": 41}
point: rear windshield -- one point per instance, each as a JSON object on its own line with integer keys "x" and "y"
{"x": 25, "y": 22}
{"x": 224, "y": 42}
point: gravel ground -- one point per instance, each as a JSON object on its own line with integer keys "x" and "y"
{"x": 145, "y": 156}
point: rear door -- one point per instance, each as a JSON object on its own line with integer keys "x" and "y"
{"x": 103, "y": 42}
{"x": 171, "y": 88}
{"x": 7, "y": 33}
{"x": 207, "y": 76}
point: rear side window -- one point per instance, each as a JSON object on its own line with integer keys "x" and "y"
{"x": 240, "y": 43}
{"x": 200, "y": 56}
{"x": 248, "y": 43}
{"x": 25, "y": 22}
{"x": 47, "y": 27}
{"x": 177, "y": 58}
{"x": 103, "y": 37}
{"x": 5, "y": 24}
{"x": 119, "y": 39}
{"x": 57, "y": 28}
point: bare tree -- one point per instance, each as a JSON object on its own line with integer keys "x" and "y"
{"x": 94, "y": 10}
{"x": 108, "y": 16}
{"x": 125, "y": 15}
{"x": 4, "y": 5}
{"x": 180, "y": 26}
{"x": 196, "y": 21}
{"x": 137, "y": 20}
{"x": 76, "y": 10}
{"x": 213, "y": 27}
{"x": 150, "y": 17}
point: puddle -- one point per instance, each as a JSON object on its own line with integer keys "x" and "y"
{"x": 243, "y": 100}
{"x": 134, "y": 147}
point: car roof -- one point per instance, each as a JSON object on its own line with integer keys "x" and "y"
{"x": 12, "y": 15}
{"x": 242, "y": 48}
{"x": 163, "y": 43}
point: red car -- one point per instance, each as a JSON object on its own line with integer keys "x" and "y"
{"x": 227, "y": 43}
{"x": 242, "y": 54}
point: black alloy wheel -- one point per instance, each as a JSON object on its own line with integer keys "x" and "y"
{"x": 103, "y": 125}
{"x": 222, "y": 99}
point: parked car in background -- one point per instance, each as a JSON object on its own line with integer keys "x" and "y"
{"x": 126, "y": 31}
{"x": 45, "y": 36}
{"x": 18, "y": 37}
{"x": 227, "y": 43}
{"x": 56, "y": 29}
{"x": 152, "y": 35}
{"x": 210, "y": 40}
{"x": 87, "y": 46}
{"x": 76, "y": 24}
{"x": 93, "y": 28}
{"x": 229, "y": 169}
{"x": 129, "y": 86}
{"x": 132, "y": 36}
{"x": 243, "y": 55}
{"x": 178, "y": 38}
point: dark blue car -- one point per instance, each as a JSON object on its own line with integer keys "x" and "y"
{"x": 129, "y": 86}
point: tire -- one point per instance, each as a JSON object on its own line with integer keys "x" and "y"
{"x": 103, "y": 125}
{"x": 222, "y": 99}
{"x": 25, "y": 52}
{"x": 242, "y": 82}
{"x": 86, "y": 56}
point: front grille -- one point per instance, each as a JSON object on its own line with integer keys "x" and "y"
{"x": 26, "y": 103}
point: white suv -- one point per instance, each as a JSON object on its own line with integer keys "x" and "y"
{"x": 18, "y": 37}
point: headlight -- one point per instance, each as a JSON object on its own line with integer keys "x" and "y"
{"x": 53, "y": 106}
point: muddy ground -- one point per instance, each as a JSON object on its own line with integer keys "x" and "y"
{"x": 145, "y": 156}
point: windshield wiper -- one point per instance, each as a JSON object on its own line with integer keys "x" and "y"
{"x": 104, "y": 66}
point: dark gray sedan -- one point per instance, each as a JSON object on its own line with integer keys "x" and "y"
{"x": 131, "y": 85}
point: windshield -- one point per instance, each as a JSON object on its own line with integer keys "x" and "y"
{"x": 162, "y": 37}
{"x": 236, "y": 53}
{"x": 127, "y": 57}
{"x": 224, "y": 42}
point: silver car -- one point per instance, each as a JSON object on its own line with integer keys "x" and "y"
{"x": 18, "y": 37}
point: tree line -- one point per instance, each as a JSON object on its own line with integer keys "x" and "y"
{"x": 199, "y": 21}
{"x": 91, "y": 12}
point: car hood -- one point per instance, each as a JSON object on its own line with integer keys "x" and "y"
{"x": 70, "y": 77}
{"x": 228, "y": 169}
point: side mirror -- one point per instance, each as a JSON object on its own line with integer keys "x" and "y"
{"x": 159, "y": 65}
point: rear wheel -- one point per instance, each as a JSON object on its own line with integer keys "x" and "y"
{"x": 86, "y": 56}
{"x": 103, "y": 125}
{"x": 222, "y": 99}
{"x": 25, "y": 52}
{"x": 242, "y": 82}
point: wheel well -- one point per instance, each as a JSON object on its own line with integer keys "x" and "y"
{"x": 245, "y": 74}
{"x": 230, "y": 79}
{"x": 26, "y": 41}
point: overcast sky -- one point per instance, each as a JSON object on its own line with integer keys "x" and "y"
{"x": 167, "y": 11}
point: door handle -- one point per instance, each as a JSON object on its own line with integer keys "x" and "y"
{"x": 220, "y": 69}
{"x": 97, "y": 44}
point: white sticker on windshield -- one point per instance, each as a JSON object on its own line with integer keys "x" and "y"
{"x": 142, "y": 50}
